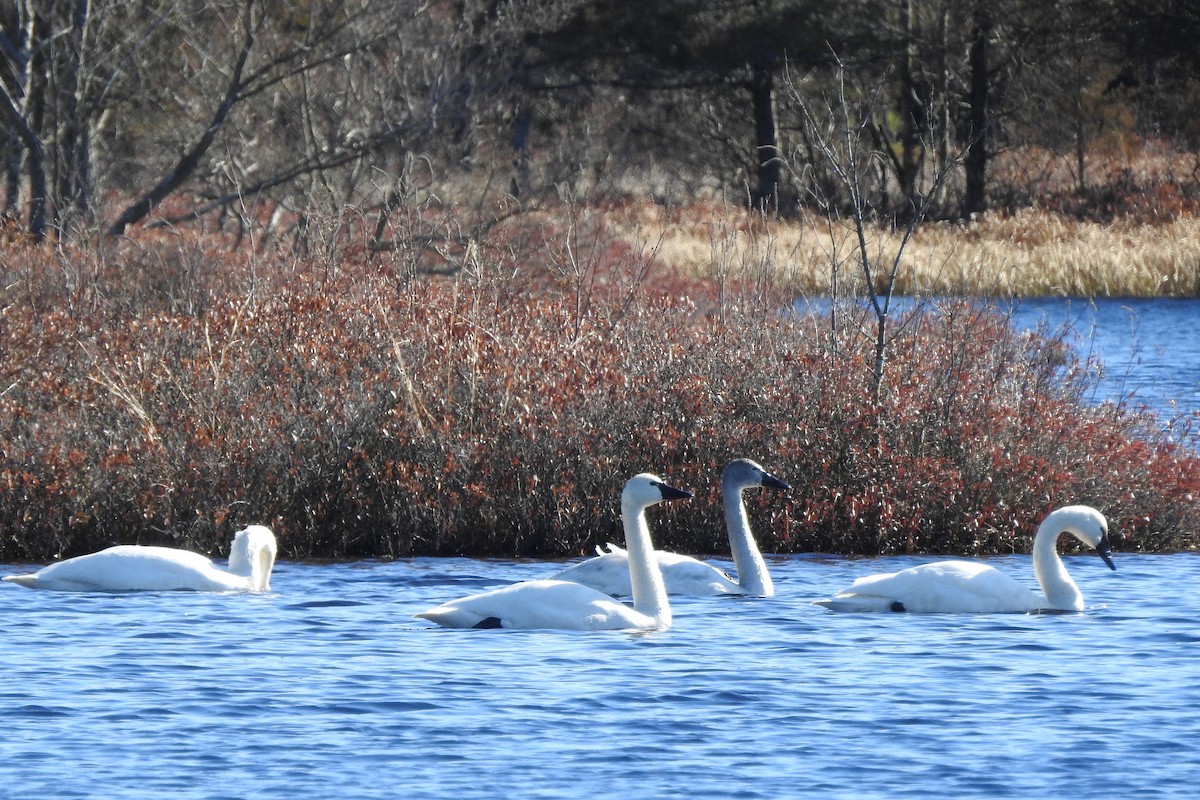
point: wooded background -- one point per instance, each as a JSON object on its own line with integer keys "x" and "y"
{"x": 115, "y": 113}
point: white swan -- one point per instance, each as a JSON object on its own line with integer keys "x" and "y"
{"x": 145, "y": 568}
{"x": 571, "y": 606}
{"x": 972, "y": 587}
{"x": 609, "y": 572}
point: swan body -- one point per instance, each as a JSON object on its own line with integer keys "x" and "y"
{"x": 608, "y": 572}
{"x": 145, "y": 568}
{"x": 972, "y": 587}
{"x": 571, "y": 606}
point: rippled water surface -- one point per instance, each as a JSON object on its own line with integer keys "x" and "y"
{"x": 328, "y": 688}
{"x": 1148, "y": 346}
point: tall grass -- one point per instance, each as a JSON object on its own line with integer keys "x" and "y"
{"x": 167, "y": 390}
{"x": 1027, "y": 252}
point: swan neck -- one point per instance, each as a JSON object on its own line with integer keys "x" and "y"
{"x": 260, "y": 573}
{"x": 252, "y": 561}
{"x": 1052, "y": 576}
{"x": 752, "y": 572}
{"x": 645, "y": 577}
{"x": 240, "y": 561}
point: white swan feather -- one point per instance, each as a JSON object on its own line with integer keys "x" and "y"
{"x": 149, "y": 568}
{"x": 566, "y": 605}
{"x": 973, "y": 587}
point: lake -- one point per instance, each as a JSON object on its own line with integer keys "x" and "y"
{"x": 1149, "y": 348}
{"x": 328, "y": 688}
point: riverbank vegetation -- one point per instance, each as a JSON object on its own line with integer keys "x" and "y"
{"x": 406, "y": 277}
{"x": 167, "y": 389}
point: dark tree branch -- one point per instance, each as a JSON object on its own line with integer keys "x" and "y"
{"x": 191, "y": 159}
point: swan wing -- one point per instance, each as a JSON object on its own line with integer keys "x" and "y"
{"x": 607, "y": 573}
{"x": 539, "y": 604}
{"x": 959, "y": 587}
{"x": 133, "y": 568}
{"x": 690, "y": 576}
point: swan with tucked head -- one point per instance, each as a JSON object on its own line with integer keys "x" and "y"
{"x": 608, "y": 572}
{"x": 147, "y": 568}
{"x": 571, "y": 606}
{"x": 971, "y": 587}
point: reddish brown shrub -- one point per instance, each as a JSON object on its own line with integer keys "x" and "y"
{"x": 368, "y": 411}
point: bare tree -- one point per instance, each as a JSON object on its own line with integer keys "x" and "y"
{"x": 841, "y": 134}
{"x": 297, "y": 82}
{"x": 231, "y": 99}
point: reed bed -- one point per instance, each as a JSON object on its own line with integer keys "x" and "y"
{"x": 1028, "y": 252}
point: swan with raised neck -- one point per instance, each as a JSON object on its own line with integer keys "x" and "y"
{"x": 607, "y": 571}
{"x": 566, "y": 605}
{"x": 960, "y": 586}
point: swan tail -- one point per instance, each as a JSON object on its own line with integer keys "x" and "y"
{"x": 860, "y": 603}
{"x": 451, "y": 617}
{"x": 29, "y": 581}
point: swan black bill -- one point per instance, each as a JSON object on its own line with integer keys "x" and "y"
{"x": 671, "y": 493}
{"x": 1105, "y": 553}
{"x": 771, "y": 482}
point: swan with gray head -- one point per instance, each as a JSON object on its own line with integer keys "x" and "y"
{"x": 564, "y": 605}
{"x": 608, "y": 572}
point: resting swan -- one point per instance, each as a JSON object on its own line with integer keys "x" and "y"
{"x": 145, "y": 568}
{"x": 971, "y": 587}
{"x": 571, "y": 606}
{"x": 609, "y": 572}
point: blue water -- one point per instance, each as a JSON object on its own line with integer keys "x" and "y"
{"x": 328, "y": 688}
{"x": 1149, "y": 348}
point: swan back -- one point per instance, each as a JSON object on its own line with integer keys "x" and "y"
{"x": 133, "y": 568}
{"x": 252, "y": 556}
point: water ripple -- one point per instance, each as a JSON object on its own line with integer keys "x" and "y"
{"x": 328, "y": 687}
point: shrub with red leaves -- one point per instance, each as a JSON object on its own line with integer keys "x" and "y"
{"x": 165, "y": 391}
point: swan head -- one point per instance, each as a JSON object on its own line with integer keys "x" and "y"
{"x": 1087, "y": 525}
{"x": 742, "y": 473}
{"x": 252, "y": 556}
{"x": 646, "y": 490}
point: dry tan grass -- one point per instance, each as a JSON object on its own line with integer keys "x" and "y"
{"x": 1028, "y": 253}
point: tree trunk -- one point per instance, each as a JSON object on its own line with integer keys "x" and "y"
{"x": 35, "y": 165}
{"x": 975, "y": 199}
{"x": 911, "y": 106}
{"x": 73, "y": 156}
{"x": 766, "y": 142}
{"x": 12, "y": 175}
